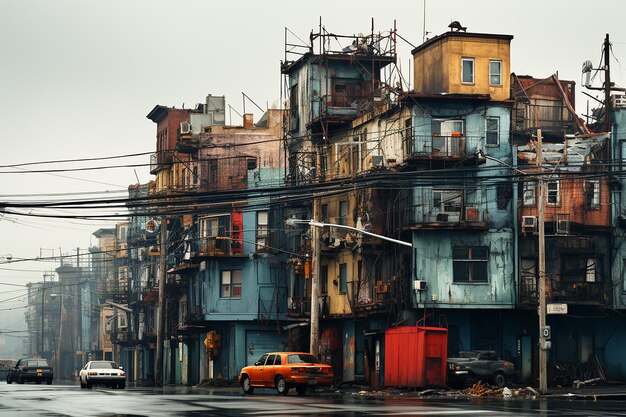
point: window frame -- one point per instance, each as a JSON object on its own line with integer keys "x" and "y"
{"x": 343, "y": 278}
{"x": 595, "y": 203}
{"x": 527, "y": 188}
{"x": 489, "y": 132}
{"x": 342, "y": 217}
{"x": 492, "y": 74}
{"x": 470, "y": 265}
{"x": 262, "y": 231}
{"x": 232, "y": 275}
{"x": 555, "y": 192}
{"x": 463, "y": 71}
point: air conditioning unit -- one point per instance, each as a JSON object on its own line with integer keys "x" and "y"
{"x": 471, "y": 214}
{"x": 442, "y": 217}
{"x": 562, "y": 226}
{"x": 529, "y": 223}
{"x": 377, "y": 161}
{"x": 185, "y": 128}
{"x": 419, "y": 285}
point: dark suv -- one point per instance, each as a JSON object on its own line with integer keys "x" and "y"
{"x": 30, "y": 369}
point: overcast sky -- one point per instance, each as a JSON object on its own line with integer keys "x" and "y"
{"x": 78, "y": 77}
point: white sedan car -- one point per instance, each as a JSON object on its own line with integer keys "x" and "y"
{"x": 106, "y": 373}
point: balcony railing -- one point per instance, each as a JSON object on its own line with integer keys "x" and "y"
{"x": 579, "y": 292}
{"x": 159, "y": 159}
{"x": 444, "y": 147}
{"x": 463, "y": 215}
{"x": 219, "y": 246}
{"x": 298, "y": 306}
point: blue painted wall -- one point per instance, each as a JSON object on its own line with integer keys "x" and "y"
{"x": 433, "y": 249}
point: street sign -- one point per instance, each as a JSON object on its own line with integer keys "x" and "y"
{"x": 556, "y": 308}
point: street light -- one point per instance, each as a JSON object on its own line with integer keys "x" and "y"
{"x": 314, "y": 334}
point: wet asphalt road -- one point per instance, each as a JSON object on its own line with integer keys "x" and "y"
{"x": 70, "y": 400}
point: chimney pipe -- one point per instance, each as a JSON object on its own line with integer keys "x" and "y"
{"x": 248, "y": 121}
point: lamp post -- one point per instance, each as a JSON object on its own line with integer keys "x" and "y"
{"x": 315, "y": 225}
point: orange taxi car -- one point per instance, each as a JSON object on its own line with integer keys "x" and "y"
{"x": 284, "y": 370}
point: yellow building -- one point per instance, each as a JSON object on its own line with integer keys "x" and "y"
{"x": 464, "y": 64}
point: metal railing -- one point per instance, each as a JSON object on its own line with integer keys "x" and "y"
{"x": 442, "y": 146}
{"x": 582, "y": 292}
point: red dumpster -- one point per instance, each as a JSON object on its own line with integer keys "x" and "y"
{"x": 416, "y": 356}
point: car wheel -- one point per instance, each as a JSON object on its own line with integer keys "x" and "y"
{"x": 82, "y": 384}
{"x": 246, "y": 385}
{"x": 281, "y": 385}
{"x": 49, "y": 381}
{"x": 9, "y": 381}
{"x": 121, "y": 385}
{"x": 20, "y": 380}
{"x": 88, "y": 385}
{"x": 500, "y": 379}
{"x": 301, "y": 389}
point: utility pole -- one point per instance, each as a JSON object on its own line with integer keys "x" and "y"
{"x": 543, "y": 354}
{"x": 315, "y": 271}
{"x": 607, "y": 83}
{"x": 158, "y": 375}
{"x": 43, "y": 293}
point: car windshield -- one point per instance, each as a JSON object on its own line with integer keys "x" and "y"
{"x": 37, "y": 362}
{"x": 468, "y": 354}
{"x": 302, "y": 358}
{"x": 103, "y": 365}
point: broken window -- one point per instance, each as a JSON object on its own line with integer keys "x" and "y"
{"x": 592, "y": 194}
{"x": 528, "y": 194}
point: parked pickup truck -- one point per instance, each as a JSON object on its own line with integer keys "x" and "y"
{"x": 30, "y": 370}
{"x": 482, "y": 365}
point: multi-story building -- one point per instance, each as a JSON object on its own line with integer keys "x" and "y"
{"x": 224, "y": 276}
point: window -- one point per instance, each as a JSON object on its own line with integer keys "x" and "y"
{"x": 271, "y": 359}
{"x": 343, "y": 212}
{"x": 184, "y": 178}
{"x": 324, "y": 213}
{"x": 214, "y": 234}
{"x": 231, "y": 284}
{"x": 212, "y": 171}
{"x": 554, "y": 197}
{"x": 324, "y": 278}
{"x": 467, "y": 70}
{"x": 343, "y": 278}
{"x": 447, "y": 137}
{"x": 592, "y": 194}
{"x": 528, "y": 194}
{"x": 493, "y": 131}
{"x": 449, "y": 201}
{"x": 495, "y": 72}
{"x": 261, "y": 231}
{"x": 194, "y": 180}
{"x": 469, "y": 264}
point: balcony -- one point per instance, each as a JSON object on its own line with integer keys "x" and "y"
{"x": 298, "y": 307}
{"x": 160, "y": 160}
{"x": 220, "y": 246}
{"x": 578, "y": 292}
{"x": 448, "y": 216}
{"x": 443, "y": 148}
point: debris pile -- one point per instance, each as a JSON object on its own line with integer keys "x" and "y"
{"x": 480, "y": 389}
